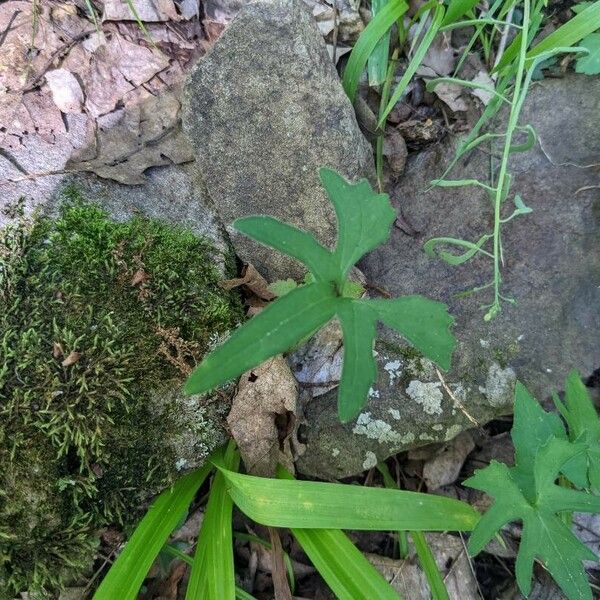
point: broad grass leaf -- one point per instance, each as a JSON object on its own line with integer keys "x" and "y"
{"x": 274, "y": 330}
{"x": 367, "y": 42}
{"x": 213, "y": 574}
{"x": 364, "y": 218}
{"x": 343, "y": 567}
{"x": 127, "y": 573}
{"x": 315, "y": 505}
{"x": 424, "y": 323}
{"x": 456, "y": 9}
{"x": 358, "y": 322}
{"x": 378, "y": 60}
{"x": 290, "y": 241}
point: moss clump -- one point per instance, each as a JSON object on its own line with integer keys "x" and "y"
{"x": 99, "y": 324}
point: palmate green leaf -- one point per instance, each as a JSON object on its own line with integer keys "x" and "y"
{"x": 584, "y": 428}
{"x": 314, "y": 505}
{"x": 528, "y": 492}
{"x": 213, "y": 574}
{"x": 276, "y": 329}
{"x": 364, "y": 218}
{"x": 127, "y": 573}
{"x": 364, "y": 222}
{"x": 343, "y": 567}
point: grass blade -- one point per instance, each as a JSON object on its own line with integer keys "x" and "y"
{"x": 315, "y": 505}
{"x": 212, "y": 575}
{"x": 414, "y": 63}
{"x": 125, "y": 577}
{"x": 367, "y": 42}
{"x": 343, "y": 567}
{"x": 378, "y": 60}
{"x": 456, "y": 9}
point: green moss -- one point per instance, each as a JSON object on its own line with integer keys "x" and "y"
{"x": 99, "y": 324}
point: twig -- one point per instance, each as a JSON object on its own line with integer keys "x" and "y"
{"x": 278, "y": 572}
{"x": 456, "y": 400}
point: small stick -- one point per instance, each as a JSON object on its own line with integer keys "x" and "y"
{"x": 456, "y": 400}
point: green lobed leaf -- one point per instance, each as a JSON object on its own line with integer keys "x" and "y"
{"x": 358, "y": 321}
{"x": 343, "y": 567}
{"x": 367, "y": 42}
{"x": 424, "y": 323}
{"x": 127, "y": 573}
{"x": 290, "y": 241}
{"x": 364, "y": 218}
{"x": 274, "y": 330}
{"x": 528, "y": 492}
{"x": 315, "y": 505}
{"x": 213, "y": 574}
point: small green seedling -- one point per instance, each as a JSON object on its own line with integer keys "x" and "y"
{"x": 528, "y": 491}
{"x": 364, "y": 220}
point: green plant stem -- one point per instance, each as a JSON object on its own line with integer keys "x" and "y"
{"x": 513, "y": 122}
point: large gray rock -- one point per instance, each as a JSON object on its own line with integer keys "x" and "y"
{"x": 263, "y": 111}
{"x": 552, "y": 269}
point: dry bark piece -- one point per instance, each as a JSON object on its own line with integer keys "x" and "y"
{"x": 264, "y": 394}
{"x": 253, "y": 281}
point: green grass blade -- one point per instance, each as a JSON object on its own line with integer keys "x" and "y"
{"x": 213, "y": 575}
{"x": 378, "y": 60}
{"x": 290, "y": 241}
{"x": 315, "y": 505}
{"x": 367, "y": 42}
{"x": 581, "y": 25}
{"x": 426, "y": 558}
{"x": 456, "y": 9}
{"x": 343, "y": 567}
{"x": 126, "y": 575}
{"x": 278, "y": 327}
{"x": 140, "y": 23}
{"x": 414, "y": 63}
{"x": 431, "y": 249}
{"x": 429, "y": 566}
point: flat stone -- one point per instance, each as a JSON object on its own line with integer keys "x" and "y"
{"x": 552, "y": 270}
{"x": 263, "y": 110}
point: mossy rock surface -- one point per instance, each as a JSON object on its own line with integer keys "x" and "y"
{"x": 100, "y": 322}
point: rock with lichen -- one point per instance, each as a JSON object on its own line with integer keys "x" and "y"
{"x": 100, "y": 322}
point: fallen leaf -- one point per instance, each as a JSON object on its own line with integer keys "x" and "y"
{"x": 57, "y": 350}
{"x": 440, "y": 55}
{"x": 451, "y": 95}
{"x": 444, "y": 467}
{"x": 394, "y": 149}
{"x": 483, "y": 78}
{"x": 348, "y": 20}
{"x": 66, "y": 91}
{"x": 71, "y": 359}
{"x": 140, "y": 276}
{"x": 253, "y": 281}
{"x": 264, "y": 394}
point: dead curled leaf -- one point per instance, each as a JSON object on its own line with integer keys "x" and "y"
{"x": 253, "y": 281}
{"x": 71, "y": 359}
{"x": 265, "y": 394}
{"x": 444, "y": 468}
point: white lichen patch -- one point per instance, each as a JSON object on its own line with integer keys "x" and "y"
{"x": 438, "y": 427}
{"x": 373, "y": 393}
{"x": 426, "y": 437}
{"x": 379, "y": 430}
{"x": 428, "y": 395}
{"x": 452, "y": 432}
{"x": 484, "y": 343}
{"x": 423, "y": 368}
{"x": 499, "y": 385}
{"x": 395, "y": 413}
{"x": 335, "y": 452}
{"x": 393, "y": 369}
{"x": 181, "y": 464}
{"x": 370, "y": 460}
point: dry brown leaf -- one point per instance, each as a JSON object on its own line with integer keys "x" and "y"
{"x": 483, "y": 78}
{"x": 57, "y": 350}
{"x": 71, "y": 359}
{"x": 394, "y": 149}
{"x": 264, "y": 394}
{"x": 440, "y": 55}
{"x": 444, "y": 467}
{"x": 452, "y": 560}
{"x": 140, "y": 276}
{"x": 149, "y": 11}
{"x": 253, "y": 281}
{"x": 66, "y": 91}
{"x": 451, "y": 95}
